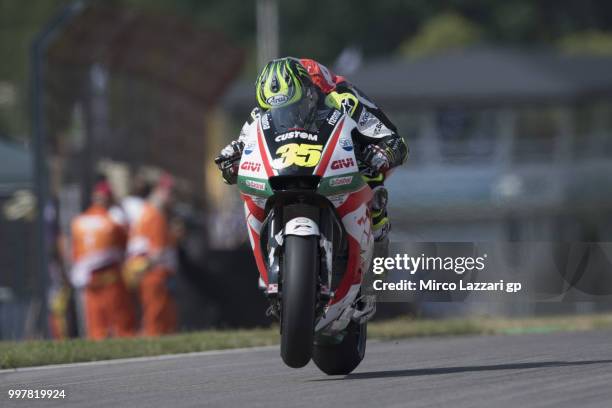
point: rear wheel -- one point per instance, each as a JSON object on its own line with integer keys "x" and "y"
{"x": 298, "y": 299}
{"x": 344, "y": 357}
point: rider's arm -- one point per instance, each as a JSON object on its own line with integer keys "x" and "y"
{"x": 375, "y": 134}
{"x": 254, "y": 115}
{"x": 373, "y": 131}
{"x": 229, "y": 156}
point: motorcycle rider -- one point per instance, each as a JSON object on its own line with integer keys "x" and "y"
{"x": 378, "y": 147}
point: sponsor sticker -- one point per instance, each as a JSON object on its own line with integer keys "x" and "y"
{"x": 257, "y": 185}
{"x": 364, "y": 118}
{"x": 334, "y": 117}
{"x": 338, "y": 199}
{"x": 277, "y": 100}
{"x": 249, "y": 147}
{"x": 346, "y": 144}
{"x": 378, "y": 128}
{"x": 340, "y": 181}
{"x": 342, "y": 163}
{"x": 251, "y": 166}
{"x": 296, "y": 135}
{"x": 265, "y": 122}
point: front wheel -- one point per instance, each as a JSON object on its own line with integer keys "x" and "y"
{"x": 344, "y": 357}
{"x": 298, "y": 299}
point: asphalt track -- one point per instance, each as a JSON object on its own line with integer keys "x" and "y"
{"x": 535, "y": 370}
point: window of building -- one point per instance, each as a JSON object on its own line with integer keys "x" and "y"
{"x": 593, "y": 130}
{"x": 466, "y": 135}
{"x": 536, "y": 132}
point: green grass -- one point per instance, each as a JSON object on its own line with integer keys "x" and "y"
{"x": 403, "y": 328}
{"x": 42, "y": 352}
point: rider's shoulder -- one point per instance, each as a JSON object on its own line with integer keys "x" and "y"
{"x": 343, "y": 101}
{"x": 255, "y": 113}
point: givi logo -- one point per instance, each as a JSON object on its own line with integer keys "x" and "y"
{"x": 250, "y": 166}
{"x": 342, "y": 163}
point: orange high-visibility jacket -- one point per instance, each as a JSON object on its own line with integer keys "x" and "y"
{"x": 97, "y": 242}
{"x": 150, "y": 237}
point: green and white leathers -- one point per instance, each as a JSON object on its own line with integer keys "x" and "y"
{"x": 281, "y": 82}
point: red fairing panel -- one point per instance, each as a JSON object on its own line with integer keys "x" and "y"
{"x": 254, "y": 217}
{"x": 353, "y": 273}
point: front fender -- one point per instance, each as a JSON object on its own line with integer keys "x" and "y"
{"x": 302, "y": 226}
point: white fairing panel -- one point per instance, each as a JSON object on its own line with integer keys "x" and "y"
{"x": 251, "y": 163}
{"x": 343, "y": 159}
{"x": 334, "y": 311}
{"x": 302, "y": 226}
{"x": 358, "y": 225}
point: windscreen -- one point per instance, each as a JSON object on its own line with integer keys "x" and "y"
{"x": 298, "y": 115}
{"x": 296, "y": 135}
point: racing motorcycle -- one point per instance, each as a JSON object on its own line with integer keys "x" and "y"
{"x": 308, "y": 220}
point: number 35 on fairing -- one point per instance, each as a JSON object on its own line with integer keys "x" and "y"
{"x": 302, "y": 155}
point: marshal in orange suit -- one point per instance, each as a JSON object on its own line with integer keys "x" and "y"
{"x": 98, "y": 245}
{"x": 152, "y": 263}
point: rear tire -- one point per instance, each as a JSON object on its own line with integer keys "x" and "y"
{"x": 344, "y": 357}
{"x": 298, "y": 299}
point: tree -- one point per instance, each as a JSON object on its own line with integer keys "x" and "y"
{"x": 443, "y": 32}
{"x": 593, "y": 42}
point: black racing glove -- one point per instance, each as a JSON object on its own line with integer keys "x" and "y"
{"x": 229, "y": 160}
{"x": 376, "y": 158}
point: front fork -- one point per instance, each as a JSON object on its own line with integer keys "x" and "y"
{"x": 273, "y": 233}
{"x": 361, "y": 309}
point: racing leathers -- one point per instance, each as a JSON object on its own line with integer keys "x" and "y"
{"x": 377, "y": 145}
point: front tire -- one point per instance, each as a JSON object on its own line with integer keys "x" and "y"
{"x": 298, "y": 299}
{"x": 344, "y": 357}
